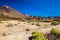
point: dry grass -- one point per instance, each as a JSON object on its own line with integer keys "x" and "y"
{"x": 18, "y": 29}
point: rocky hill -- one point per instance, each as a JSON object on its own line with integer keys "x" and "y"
{"x": 7, "y": 12}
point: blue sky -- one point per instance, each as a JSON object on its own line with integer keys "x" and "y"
{"x": 35, "y": 7}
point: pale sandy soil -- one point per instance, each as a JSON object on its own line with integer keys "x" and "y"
{"x": 18, "y": 32}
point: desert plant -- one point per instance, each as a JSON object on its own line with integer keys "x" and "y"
{"x": 18, "y": 23}
{"x": 38, "y": 36}
{"x": 55, "y": 23}
{"x": 32, "y": 23}
{"x": 28, "y": 21}
{"x": 54, "y": 35}
{"x": 4, "y": 34}
{"x": 9, "y": 25}
{"x": 27, "y": 29}
{"x": 55, "y": 31}
{"x": 38, "y": 24}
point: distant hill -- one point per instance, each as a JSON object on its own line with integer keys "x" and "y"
{"x": 7, "y": 12}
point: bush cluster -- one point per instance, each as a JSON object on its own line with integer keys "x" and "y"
{"x": 55, "y": 23}
{"x": 55, "y": 31}
{"x": 9, "y": 25}
{"x": 38, "y": 36}
{"x": 32, "y": 23}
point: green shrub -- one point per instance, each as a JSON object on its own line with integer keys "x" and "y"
{"x": 55, "y": 23}
{"x": 9, "y": 25}
{"x": 32, "y": 23}
{"x": 55, "y": 31}
{"x": 28, "y": 21}
{"x": 4, "y": 34}
{"x": 38, "y": 36}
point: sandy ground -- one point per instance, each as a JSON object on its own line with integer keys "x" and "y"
{"x": 18, "y": 30}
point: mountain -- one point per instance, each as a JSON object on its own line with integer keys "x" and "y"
{"x": 10, "y": 13}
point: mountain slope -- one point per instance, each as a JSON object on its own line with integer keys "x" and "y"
{"x": 9, "y": 13}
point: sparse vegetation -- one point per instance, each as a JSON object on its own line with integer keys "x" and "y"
{"x": 28, "y": 21}
{"x": 9, "y": 25}
{"x": 38, "y": 36}
{"x": 15, "y": 24}
{"x": 32, "y": 23}
{"x": 4, "y": 34}
{"x": 55, "y": 31}
{"x": 27, "y": 29}
{"x": 38, "y": 24}
{"x": 17, "y": 30}
{"x": 55, "y": 23}
{"x": 54, "y": 35}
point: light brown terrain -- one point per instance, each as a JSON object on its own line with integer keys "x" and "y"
{"x": 18, "y": 30}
